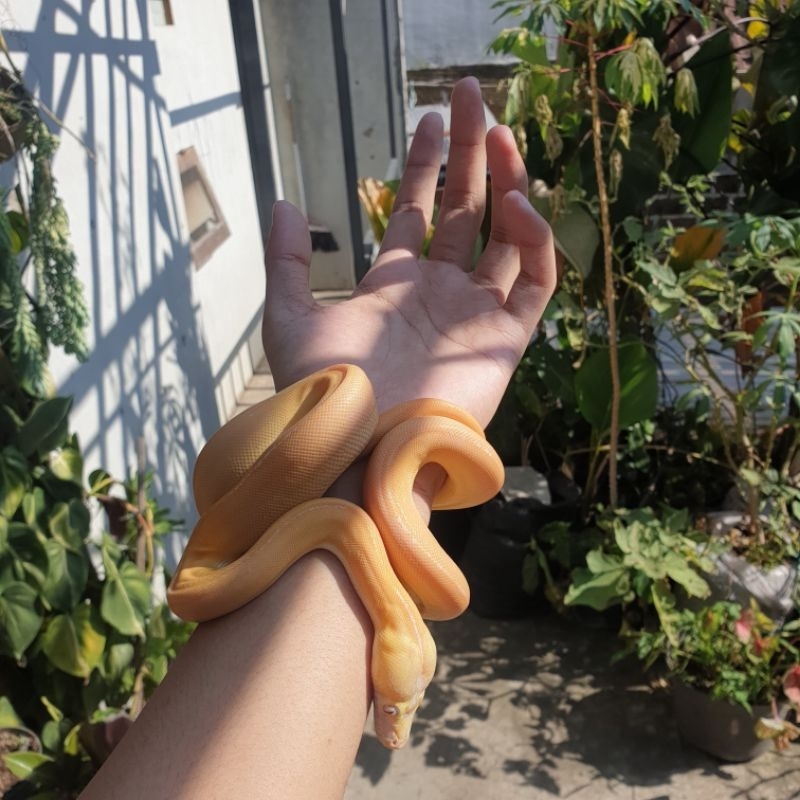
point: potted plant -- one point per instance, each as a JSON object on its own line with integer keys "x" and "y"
{"x": 733, "y": 671}
{"x": 728, "y": 323}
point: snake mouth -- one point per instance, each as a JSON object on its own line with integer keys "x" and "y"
{"x": 393, "y": 722}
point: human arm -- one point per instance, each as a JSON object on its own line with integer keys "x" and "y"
{"x": 270, "y": 701}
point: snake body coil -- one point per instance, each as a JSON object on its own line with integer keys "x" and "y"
{"x": 259, "y": 484}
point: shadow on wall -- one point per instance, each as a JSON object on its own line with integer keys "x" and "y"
{"x": 148, "y": 373}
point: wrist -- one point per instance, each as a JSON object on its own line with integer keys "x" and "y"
{"x": 348, "y": 486}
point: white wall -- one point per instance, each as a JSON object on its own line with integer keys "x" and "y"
{"x": 164, "y": 337}
{"x": 449, "y": 33}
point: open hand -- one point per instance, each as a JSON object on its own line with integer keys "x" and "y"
{"x": 425, "y": 327}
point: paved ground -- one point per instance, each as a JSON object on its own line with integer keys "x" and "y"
{"x": 532, "y": 709}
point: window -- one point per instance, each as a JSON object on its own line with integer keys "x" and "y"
{"x": 160, "y": 12}
{"x": 207, "y": 226}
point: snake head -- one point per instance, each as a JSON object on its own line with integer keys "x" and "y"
{"x": 393, "y": 720}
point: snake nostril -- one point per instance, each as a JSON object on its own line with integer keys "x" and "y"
{"x": 390, "y": 710}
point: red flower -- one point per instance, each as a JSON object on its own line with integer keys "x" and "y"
{"x": 744, "y": 625}
{"x": 791, "y": 685}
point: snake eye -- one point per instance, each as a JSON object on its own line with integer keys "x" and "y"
{"x": 390, "y": 710}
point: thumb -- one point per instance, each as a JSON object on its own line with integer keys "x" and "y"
{"x": 288, "y": 257}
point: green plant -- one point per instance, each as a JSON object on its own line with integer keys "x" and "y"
{"x": 555, "y": 551}
{"x": 84, "y": 633}
{"x": 735, "y": 654}
{"x": 50, "y": 307}
{"x": 765, "y": 131}
{"x": 729, "y": 323}
{"x": 645, "y": 555}
{"x": 84, "y": 636}
{"x": 599, "y": 125}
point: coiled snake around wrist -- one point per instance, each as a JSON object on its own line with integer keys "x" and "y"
{"x": 259, "y": 484}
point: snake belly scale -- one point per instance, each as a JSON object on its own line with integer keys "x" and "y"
{"x": 259, "y": 484}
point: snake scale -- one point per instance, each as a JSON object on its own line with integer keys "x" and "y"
{"x": 259, "y": 486}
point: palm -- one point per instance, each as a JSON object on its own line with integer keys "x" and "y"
{"x": 425, "y": 328}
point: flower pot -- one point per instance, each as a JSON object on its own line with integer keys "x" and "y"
{"x": 718, "y": 727}
{"x": 738, "y": 581}
{"x": 15, "y": 740}
{"x": 498, "y": 542}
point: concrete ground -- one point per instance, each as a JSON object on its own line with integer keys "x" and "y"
{"x": 533, "y": 709}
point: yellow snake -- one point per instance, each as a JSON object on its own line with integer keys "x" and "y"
{"x": 259, "y": 484}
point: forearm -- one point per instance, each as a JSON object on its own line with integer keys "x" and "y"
{"x": 267, "y": 702}
{"x": 279, "y": 688}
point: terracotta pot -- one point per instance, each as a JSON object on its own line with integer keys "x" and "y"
{"x": 718, "y": 727}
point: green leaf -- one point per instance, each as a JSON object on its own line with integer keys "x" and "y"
{"x": 69, "y": 524}
{"x": 598, "y": 591}
{"x": 24, "y": 550}
{"x": 577, "y": 237}
{"x": 46, "y": 427}
{"x": 19, "y": 619}
{"x": 680, "y": 572}
{"x": 67, "y": 574}
{"x": 9, "y": 717}
{"x": 56, "y": 714}
{"x": 638, "y": 374}
{"x": 14, "y": 480}
{"x": 67, "y": 464}
{"x": 686, "y": 100}
{"x": 126, "y": 597}
{"x": 24, "y": 763}
{"x": 33, "y": 505}
{"x": 118, "y": 658}
{"x": 20, "y": 233}
{"x": 636, "y": 74}
{"x": 74, "y": 642}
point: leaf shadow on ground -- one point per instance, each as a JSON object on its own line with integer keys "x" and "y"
{"x": 553, "y": 681}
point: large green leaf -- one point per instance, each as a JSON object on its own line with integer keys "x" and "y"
{"x": 638, "y": 382}
{"x": 126, "y": 597}
{"x": 74, "y": 642}
{"x": 67, "y": 574}
{"x": 46, "y": 427}
{"x": 19, "y": 619}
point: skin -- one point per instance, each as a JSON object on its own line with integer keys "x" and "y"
{"x": 270, "y": 701}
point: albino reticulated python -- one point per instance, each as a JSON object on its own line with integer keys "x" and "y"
{"x": 259, "y": 485}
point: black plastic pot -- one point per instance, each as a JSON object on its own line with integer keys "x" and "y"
{"x": 498, "y": 542}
